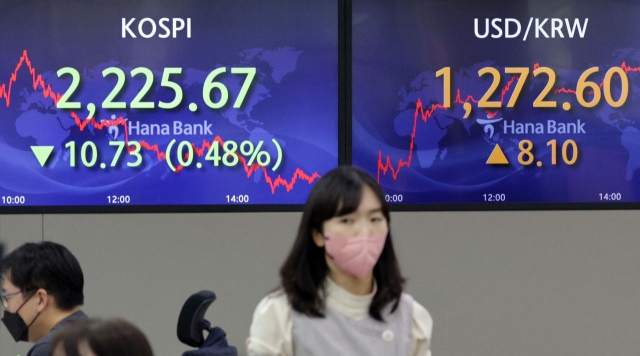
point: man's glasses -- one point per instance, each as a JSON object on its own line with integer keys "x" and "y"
{"x": 4, "y": 298}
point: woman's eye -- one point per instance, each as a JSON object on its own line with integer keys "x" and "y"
{"x": 376, "y": 219}
{"x": 346, "y": 220}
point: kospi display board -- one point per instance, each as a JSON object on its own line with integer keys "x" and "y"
{"x": 477, "y": 104}
{"x": 177, "y": 104}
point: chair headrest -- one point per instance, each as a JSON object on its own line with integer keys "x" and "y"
{"x": 191, "y": 322}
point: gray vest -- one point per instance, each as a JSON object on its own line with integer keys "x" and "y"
{"x": 337, "y": 334}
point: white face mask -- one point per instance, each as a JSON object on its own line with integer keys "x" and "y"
{"x": 355, "y": 256}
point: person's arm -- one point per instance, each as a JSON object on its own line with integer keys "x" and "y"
{"x": 271, "y": 328}
{"x": 421, "y": 331}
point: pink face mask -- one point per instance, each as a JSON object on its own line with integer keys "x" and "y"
{"x": 355, "y": 256}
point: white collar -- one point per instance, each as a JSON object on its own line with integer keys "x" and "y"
{"x": 353, "y": 306}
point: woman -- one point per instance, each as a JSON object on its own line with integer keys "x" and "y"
{"x": 341, "y": 287}
{"x": 92, "y": 337}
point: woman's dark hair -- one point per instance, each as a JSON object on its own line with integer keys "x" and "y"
{"x": 49, "y": 266}
{"x": 305, "y": 269}
{"x": 113, "y": 337}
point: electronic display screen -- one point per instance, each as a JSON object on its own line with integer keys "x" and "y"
{"x": 465, "y": 102}
{"x": 166, "y": 103}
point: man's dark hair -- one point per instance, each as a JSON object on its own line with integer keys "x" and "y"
{"x": 49, "y": 266}
{"x": 336, "y": 194}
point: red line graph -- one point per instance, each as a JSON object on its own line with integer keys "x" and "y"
{"x": 425, "y": 114}
{"x": 48, "y": 92}
{"x": 385, "y": 165}
{"x": 623, "y": 66}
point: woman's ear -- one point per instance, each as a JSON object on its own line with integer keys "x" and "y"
{"x": 318, "y": 238}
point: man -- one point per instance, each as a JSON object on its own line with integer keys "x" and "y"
{"x": 41, "y": 291}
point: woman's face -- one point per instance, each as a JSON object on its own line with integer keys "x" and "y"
{"x": 367, "y": 220}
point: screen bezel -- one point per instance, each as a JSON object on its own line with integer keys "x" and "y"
{"x": 342, "y": 159}
{"x": 455, "y": 206}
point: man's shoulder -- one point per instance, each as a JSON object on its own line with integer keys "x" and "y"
{"x": 75, "y": 316}
{"x": 40, "y": 349}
